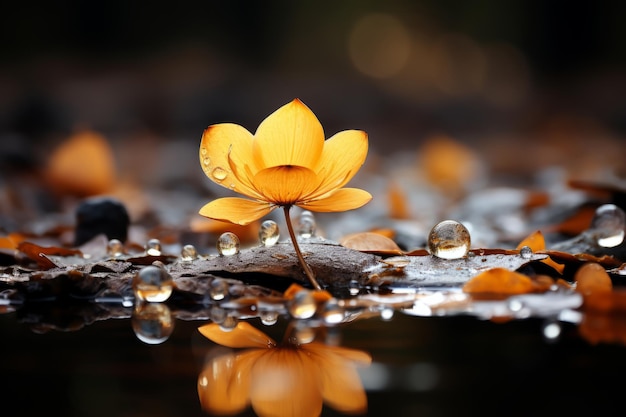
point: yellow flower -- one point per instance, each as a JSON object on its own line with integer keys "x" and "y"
{"x": 286, "y": 162}
{"x": 281, "y": 381}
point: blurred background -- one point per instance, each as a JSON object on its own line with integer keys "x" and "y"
{"x": 522, "y": 84}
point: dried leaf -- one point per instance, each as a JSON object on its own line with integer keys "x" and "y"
{"x": 537, "y": 243}
{"x": 84, "y": 165}
{"x": 36, "y": 253}
{"x": 370, "y": 242}
{"x": 499, "y": 281}
{"x": 592, "y": 278}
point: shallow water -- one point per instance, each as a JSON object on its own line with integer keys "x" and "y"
{"x": 421, "y": 366}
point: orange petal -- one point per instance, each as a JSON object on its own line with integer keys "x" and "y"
{"x": 341, "y": 384}
{"x": 285, "y": 185}
{"x": 244, "y": 335}
{"x": 340, "y": 200}
{"x": 224, "y": 383}
{"x": 236, "y": 210}
{"x": 592, "y": 278}
{"x": 499, "y": 281}
{"x": 223, "y": 147}
{"x": 291, "y": 135}
{"x": 285, "y": 382}
{"x": 343, "y": 155}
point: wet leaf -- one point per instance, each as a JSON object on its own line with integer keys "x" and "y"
{"x": 499, "y": 281}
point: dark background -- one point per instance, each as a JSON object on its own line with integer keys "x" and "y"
{"x": 470, "y": 69}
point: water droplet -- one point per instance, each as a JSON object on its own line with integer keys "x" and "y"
{"x": 551, "y": 331}
{"x": 229, "y": 323}
{"x": 218, "y": 289}
{"x": 219, "y": 174}
{"x": 302, "y": 305}
{"x": 228, "y": 244}
{"x": 306, "y": 225}
{"x": 189, "y": 253}
{"x": 607, "y": 225}
{"x": 152, "y": 323}
{"x": 217, "y": 314}
{"x": 449, "y": 239}
{"x": 152, "y": 284}
{"x": 269, "y": 233}
{"x": 303, "y": 335}
{"x": 206, "y": 162}
{"x": 153, "y": 247}
{"x": 333, "y": 313}
{"x": 115, "y": 248}
{"x": 353, "y": 287}
{"x": 204, "y": 151}
{"x": 526, "y": 252}
{"x": 386, "y": 313}
{"x": 269, "y": 318}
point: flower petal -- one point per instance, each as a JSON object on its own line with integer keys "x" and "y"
{"x": 244, "y": 335}
{"x": 341, "y": 384}
{"x": 291, "y": 135}
{"x": 341, "y": 200}
{"x": 224, "y": 383}
{"x": 223, "y": 147}
{"x": 236, "y": 210}
{"x": 285, "y": 382}
{"x": 285, "y": 185}
{"x": 343, "y": 155}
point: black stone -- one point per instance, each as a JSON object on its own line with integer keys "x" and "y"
{"x": 101, "y": 215}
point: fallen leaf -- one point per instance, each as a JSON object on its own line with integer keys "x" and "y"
{"x": 371, "y": 242}
{"x": 499, "y": 281}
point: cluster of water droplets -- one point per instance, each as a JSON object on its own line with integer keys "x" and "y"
{"x": 218, "y": 174}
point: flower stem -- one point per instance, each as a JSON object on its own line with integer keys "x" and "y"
{"x": 307, "y": 269}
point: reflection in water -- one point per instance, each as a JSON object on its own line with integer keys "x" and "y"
{"x": 288, "y": 379}
{"x": 152, "y": 322}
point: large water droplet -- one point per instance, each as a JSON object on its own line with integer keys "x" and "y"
{"x": 219, "y": 174}
{"x": 449, "y": 239}
{"x": 302, "y": 305}
{"x": 153, "y": 247}
{"x": 218, "y": 289}
{"x": 306, "y": 225}
{"x": 188, "y": 253}
{"x": 269, "y": 233}
{"x": 228, "y": 244}
{"x": 607, "y": 225}
{"x": 152, "y": 284}
{"x": 152, "y": 323}
{"x": 115, "y": 248}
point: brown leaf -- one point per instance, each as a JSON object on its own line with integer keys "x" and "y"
{"x": 370, "y": 242}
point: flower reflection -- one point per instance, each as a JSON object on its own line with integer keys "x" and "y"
{"x": 288, "y": 379}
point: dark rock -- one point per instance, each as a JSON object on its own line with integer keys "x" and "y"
{"x": 101, "y": 215}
